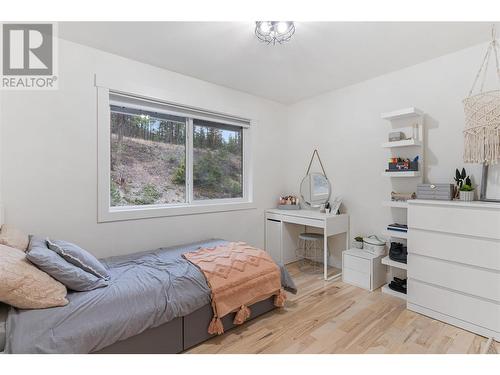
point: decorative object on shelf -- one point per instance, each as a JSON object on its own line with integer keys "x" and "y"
{"x": 444, "y": 192}
{"x": 402, "y": 197}
{"x": 482, "y": 115}
{"x": 461, "y": 180}
{"x": 490, "y": 183}
{"x": 396, "y": 136}
{"x": 274, "y": 32}
{"x": 374, "y": 245}
{"x": 335, "y": 205}
{"x": 358, "y": 242}
{"x": 466, "y": 192}
{"x": 315, "y": 188}
{"x": 289, "y": 202}
{"x": 400, "y": 165}
{"x": 398, "y": 252}
{"x": 460, "y": 177}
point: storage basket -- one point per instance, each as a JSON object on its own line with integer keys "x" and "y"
{"x": 374, "y": 245}
{"x": 435, "y": 191}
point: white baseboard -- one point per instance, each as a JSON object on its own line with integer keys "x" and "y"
{"x": 454, "y": 321}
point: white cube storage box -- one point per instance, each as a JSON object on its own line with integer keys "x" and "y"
{"x": 363, "y": 269}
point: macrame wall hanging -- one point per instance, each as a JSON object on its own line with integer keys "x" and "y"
{"x": 482, "y": 115}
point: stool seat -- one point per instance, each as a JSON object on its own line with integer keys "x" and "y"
{"x": 311, "y": 236}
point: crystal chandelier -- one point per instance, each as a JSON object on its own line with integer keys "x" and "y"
{"x": 272, "y": 32}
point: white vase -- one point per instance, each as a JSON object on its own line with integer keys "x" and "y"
{"x": 467, "y": 196}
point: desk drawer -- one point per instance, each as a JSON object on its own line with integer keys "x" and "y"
{"x": 475, "y": 251}
{"x": 303, "y": 221}
{"x": 472, "y": 221}
{"x": 469, "y": 309}
{"x": 357, "y": 264}
{"x": 272, "y": 216}
{"x": 357, "y": 278}
{"x": 471, "y": 280}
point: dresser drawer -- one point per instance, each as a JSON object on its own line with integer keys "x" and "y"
{"x": 460, "y": 306}
{"x": 475, "y": 251}
{"x": 459, "y": 277}
{"x": 357, "y": 278}
{"x": 472, "y": 221}
{"x": 357, "y": 264}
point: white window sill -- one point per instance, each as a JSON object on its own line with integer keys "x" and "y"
{"x": 147, "y": 212}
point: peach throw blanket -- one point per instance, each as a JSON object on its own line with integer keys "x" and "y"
{"x": 238, "y": 275}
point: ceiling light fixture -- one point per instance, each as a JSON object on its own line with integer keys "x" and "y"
{"x": 272, "y": 32}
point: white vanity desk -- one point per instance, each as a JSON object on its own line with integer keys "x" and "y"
{"x": 284, "y": 226}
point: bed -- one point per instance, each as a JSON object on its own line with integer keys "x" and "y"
{"x": 3, "y": 317}
{"x": 156, "y": 302}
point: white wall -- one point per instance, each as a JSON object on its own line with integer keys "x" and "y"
{"x": 49, "y": 147}
{"x": 49, "y": 157}
{"x": 346, "y": 127}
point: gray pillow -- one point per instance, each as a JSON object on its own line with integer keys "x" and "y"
{"x": 68, "y": 274}
{"x": 79, "y": 257}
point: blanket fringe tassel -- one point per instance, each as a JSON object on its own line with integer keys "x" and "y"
{"x": 216, "y": 327}
{"x": 242, "y": 315}
{"x": 280, "y": 298}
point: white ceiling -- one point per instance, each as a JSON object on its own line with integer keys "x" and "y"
{"x": 321, "y": 56}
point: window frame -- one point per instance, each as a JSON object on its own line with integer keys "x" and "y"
{"x": 107, "y": 213}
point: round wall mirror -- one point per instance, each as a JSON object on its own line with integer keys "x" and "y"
{"x": 315, "y": 189}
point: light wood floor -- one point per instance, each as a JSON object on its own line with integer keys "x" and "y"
{"x": 333, "y": 317}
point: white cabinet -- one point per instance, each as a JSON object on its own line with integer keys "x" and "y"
{"x": 273, "y": 239}
{"x": 454, "y": 263}
{"x": 362, "y": 269}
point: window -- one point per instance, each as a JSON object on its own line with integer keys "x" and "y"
{"x": 148, "y": 157}
{"x": 218, "y": 161}
{"x": 165, "y": 160}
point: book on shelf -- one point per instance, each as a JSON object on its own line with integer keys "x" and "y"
{"x": 398, "y": 227}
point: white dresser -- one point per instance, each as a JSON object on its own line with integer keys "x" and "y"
{"x": 454, "y": 263}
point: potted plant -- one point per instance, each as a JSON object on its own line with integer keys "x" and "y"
{"x": 459, "y": 181}
{"x": 466, "y": 191}
{"x": 358, "y": 242}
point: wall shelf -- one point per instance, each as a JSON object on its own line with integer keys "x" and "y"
{"x": 395, "y": 234}
{"x": 402, "y": 143}
{"x": 413, "y": 119}
{"x": 402, "y": 113}
{"x": 402, "y": 174}
{"x": 395, "y": 204}
{"x": 389, "y": 262}
{"x": 387, "y": 290}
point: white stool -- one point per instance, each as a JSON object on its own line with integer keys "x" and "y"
{"x": 310, "y": 249}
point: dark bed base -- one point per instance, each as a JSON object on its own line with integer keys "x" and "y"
{"x": 180, "y": 334}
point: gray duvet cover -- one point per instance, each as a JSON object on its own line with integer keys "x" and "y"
{"x": 145, "y": 290}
